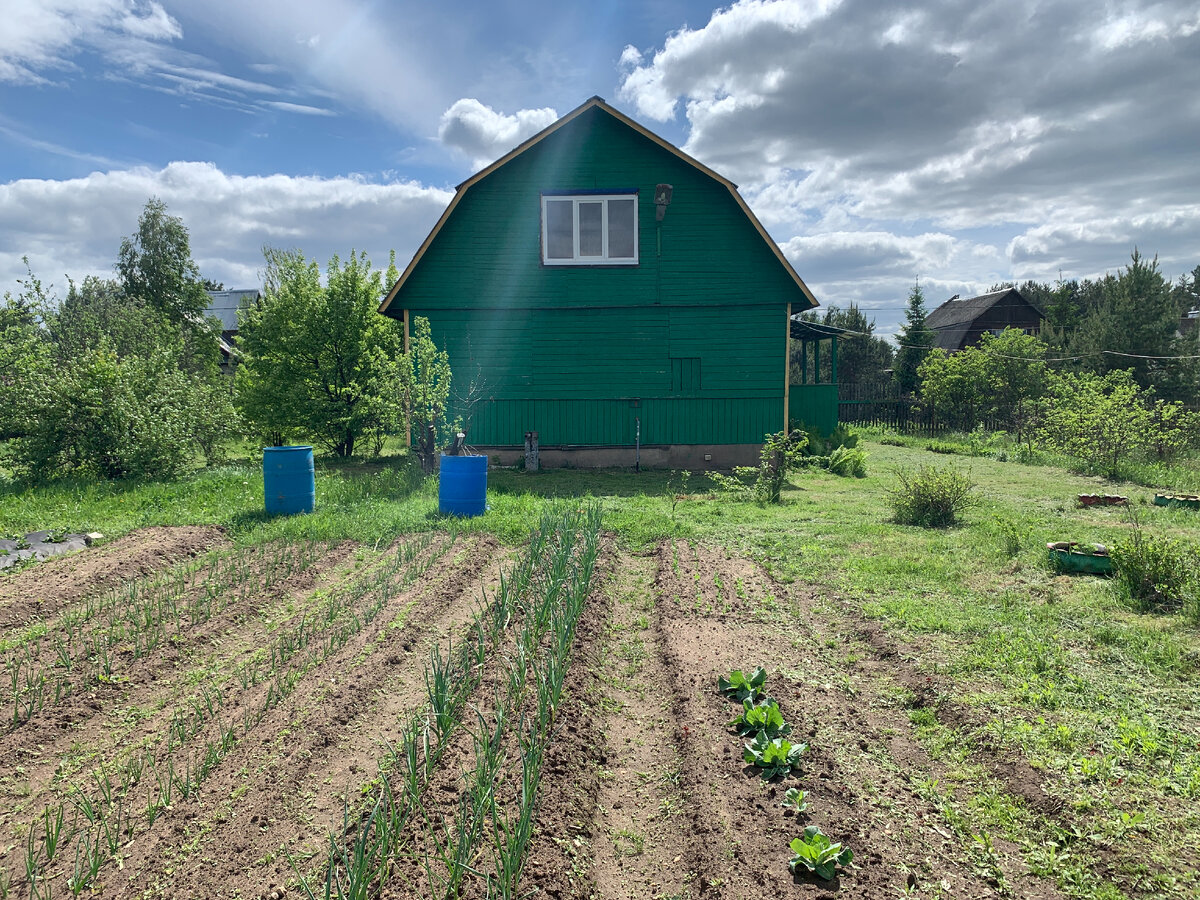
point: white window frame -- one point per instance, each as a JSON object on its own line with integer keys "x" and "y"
{"x": 604, "y": 259}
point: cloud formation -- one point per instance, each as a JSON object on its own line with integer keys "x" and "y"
{"x": 45, "y": 35}
{"x": 485, "y": 135}
{"x": 1064, "y": 130}
{"x": 74, "y": 227}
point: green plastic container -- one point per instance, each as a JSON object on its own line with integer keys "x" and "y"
{"x": 1188, "y": 501}
{"x": 1072, "y": 558}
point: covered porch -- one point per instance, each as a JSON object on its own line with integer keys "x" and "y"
{"x": 812, "y": 374}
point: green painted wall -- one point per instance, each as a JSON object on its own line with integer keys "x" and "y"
{"x": 816, "y": 405}
{"x": 691, "y": 340}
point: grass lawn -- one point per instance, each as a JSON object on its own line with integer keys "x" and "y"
{"x": 1046, "y": 673}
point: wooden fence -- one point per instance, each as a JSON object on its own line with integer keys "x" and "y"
{"x": 882, "y": 406}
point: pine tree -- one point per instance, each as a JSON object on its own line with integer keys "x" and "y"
{"x": 916, "y": 341}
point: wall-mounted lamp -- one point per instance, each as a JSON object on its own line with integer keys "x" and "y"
{"x": 662, "y": 199}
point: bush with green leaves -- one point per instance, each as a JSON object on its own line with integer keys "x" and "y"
{"x": 1156, "y": 573}
{"x": 931, "y": 497}
{"x": 781, "y": 453}
{"x": 114, "y": 417}
{"x": 318, "y": 361}
{"x": 848, "y": 462}
{"x": 1107, "y": 420}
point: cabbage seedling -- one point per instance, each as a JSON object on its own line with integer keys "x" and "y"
{"x": 738, "y": 687}
{"x": 818, "y": 855}
{"x": 794, "y": 800}
{"x": 761, "y": 718}
{"x": 774, "y": 757}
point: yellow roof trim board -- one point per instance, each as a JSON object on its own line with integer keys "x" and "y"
{"x": 461, "y": 189}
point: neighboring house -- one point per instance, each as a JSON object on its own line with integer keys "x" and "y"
{"x": 960, "y": 323}
{"x": 224, "y": 305}
{"x": 600, "y": 287}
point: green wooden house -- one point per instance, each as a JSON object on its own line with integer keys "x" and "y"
{"x": 600, "y": 287}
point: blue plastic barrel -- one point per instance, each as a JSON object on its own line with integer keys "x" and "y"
{"x": 462, "y": 488}
{"x": 289, "y": 484}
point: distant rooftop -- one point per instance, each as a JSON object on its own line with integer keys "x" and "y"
{"x": 225, "y": 304}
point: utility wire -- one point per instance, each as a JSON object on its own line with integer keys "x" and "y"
{"x": 1074, "y": 358}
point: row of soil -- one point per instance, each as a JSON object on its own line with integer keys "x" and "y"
{"x": 270, "y": 663}
{"x": 669, "y": 808}
{"x": 109, "y": 639}
{"x": 45, "y": 589}
{"x": 140, "y": 694}
{"x": 453, "y": 809}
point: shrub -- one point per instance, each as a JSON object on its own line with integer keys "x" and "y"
{"x": 114, "y": 417}
{"x": 1156, "y": 573}
{"x": 931, "y": 497}
{"x": 781, "y": 453}
{"x": 848, "y": 461}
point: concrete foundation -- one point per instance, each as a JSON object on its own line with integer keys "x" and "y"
{"x": 653, "y": 456}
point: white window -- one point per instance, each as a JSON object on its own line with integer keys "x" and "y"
{"x": 589, "y": 229}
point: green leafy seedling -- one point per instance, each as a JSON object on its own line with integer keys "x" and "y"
{"x": 774, "y": 757}
{"x": 738, "y": 687}
{"x": 794, "y": 800}
{"x": 818, "y": 855}
{"x": 761, "y": 718}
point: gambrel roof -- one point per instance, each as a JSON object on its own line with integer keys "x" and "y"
{"x": 594, "y": 103}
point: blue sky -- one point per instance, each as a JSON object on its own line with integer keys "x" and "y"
{"x": 962, "y": 143}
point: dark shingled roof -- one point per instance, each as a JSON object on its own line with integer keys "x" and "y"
{"x": 953, "y": 321}
{"x": 959, "y": 312}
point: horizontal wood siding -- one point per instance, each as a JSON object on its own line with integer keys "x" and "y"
{"x": 687, "y": 340}
{"x": 614, "y": 422}
{"x": 584, "y": 379}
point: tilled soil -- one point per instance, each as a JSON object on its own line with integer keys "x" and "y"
{"x": 678, "y": 813}
{"x": 46, "y": 588}
{"x": 292, "y": 760}
{"x": 101, "y": 719}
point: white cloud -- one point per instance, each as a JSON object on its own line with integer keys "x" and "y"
{"x": 484, "y": 134}
{"x": 75, "y": 226}
{"x": 302, "y": 109}
{"x": 966, "y": 143}
{"x": 45, "y": 34}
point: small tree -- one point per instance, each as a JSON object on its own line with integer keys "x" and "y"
{"x": 25, "y": 355}
{"x": 1100, "y": 418}
{"x": 156, "y": 265}
{"x": 1003, "y": 376}
{"x": 320, "y": 361}
{"x": 1017, "y": 376}
{"x": 916, "y": 341}
{"x": 956, "y": 386}
{"x": 427, "y": 395}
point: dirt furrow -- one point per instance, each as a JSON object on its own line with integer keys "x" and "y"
{"x": 142, "y": 696}
{"x": 47, "y": 588}
{"x": 283, "y": 786}
{"x": 565, "y": 837}
{"x": 868, "y": 782}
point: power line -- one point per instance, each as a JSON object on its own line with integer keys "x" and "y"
{"x": 1075, "y": 358}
